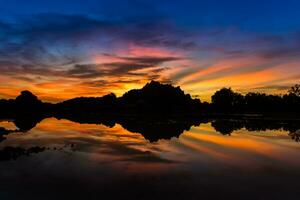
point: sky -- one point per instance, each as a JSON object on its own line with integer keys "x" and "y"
{"x": 64, "y": 49}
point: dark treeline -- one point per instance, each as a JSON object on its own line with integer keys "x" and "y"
{"x": 154, "y": 97}
{"x": 228, "y": 101}
{"x": 157, "y": 98}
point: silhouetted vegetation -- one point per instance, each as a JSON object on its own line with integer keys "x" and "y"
{"x": 295, "y": 90}
{"x": 229, "y": 102}
{"x": 152, "y": 98}
{"x": 159, "y": 111}
{"x": 226, "y": 101}
{"x": 103, "y": 104}
{"x": 25, "y": 104}
{"x": 156, "y": 98}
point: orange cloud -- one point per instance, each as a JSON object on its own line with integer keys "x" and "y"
{"x": 195, "y": 76}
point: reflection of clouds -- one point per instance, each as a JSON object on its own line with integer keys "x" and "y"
{"x": 202, "y": 144}
{"x": 243, "y": 148}
{"x": 98, "y": 142}
{"x": 295, "y": 135}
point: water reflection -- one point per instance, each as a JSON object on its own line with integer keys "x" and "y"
{"x": 147, "y": 140}
{"x": 94, "y": 157}
{"x": 226, "y": 127}
{"x": 155, "y": 129}
{"x": 148, "y": 159}
{"x": 12, "y": 153}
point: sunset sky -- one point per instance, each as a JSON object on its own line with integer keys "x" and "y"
{"x": 60, "y": 49}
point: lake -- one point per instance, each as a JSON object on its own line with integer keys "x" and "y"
{"x": 55, "y": 158}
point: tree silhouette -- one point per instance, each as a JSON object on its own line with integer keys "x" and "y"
{"x": 295, "y": 90}
{"x": 225, "y": 100}
{"x": 229, "y": 102}
{"x": 156, "y": 98}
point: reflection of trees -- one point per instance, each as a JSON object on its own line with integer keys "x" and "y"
{"x": 23, "y": 124}
{"x": 12, "y": 153}
{"x": 295, "y": 135}
{"x": 26, "y": 123}
{"x": 163, "y": 127}
{"x": 226, "y": 126}
{"x": 152, "y": 128}
{"x": 4, "y": 132}
{"x": 160, "y": 127}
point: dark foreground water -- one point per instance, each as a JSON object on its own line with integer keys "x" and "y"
{"x": 60, "y": 159}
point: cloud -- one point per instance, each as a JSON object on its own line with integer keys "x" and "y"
{"x": 127, "y": 66}
{"x": 85, "y": 71}
{"x": 274, "y": 47}
{"x": 274, "y": 87}
{"x": 49, "y": 39}
{"x": 131, "y": 154}
{"x": 63, "y": 45}
{"x": 151, "y": 60}
{"x": 92, "y": 52}
{"x": 282, "y": 52}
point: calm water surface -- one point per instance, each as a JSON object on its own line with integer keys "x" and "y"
{"x": 63, "y": 159}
